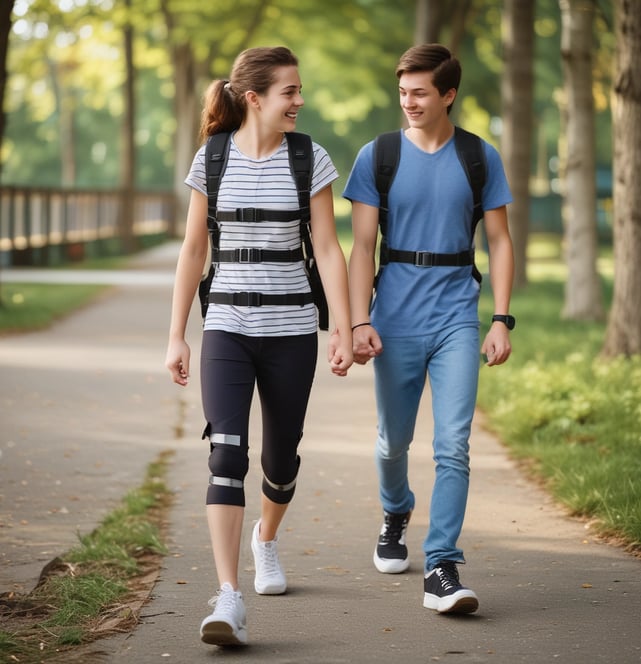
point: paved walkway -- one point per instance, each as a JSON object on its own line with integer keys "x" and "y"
{"x": 86, "y": 405}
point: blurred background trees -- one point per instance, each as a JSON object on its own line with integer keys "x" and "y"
{"x": 107, "y": 94}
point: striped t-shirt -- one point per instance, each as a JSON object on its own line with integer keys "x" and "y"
{"x": 268, "y": 184}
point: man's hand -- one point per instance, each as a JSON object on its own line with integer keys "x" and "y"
{"x": 367, "y": 344}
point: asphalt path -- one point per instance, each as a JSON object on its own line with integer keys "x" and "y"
{"x": 86, "y": 405}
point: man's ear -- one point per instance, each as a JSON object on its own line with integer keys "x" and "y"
{"x": 449, "y": 96}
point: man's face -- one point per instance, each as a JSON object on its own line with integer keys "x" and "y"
{"x": 421, "y": 102}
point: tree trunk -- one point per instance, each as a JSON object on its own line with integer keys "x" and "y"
{"x": 5, "y": 28}
{"x": 517, "y": 94}
{"x": 583, "y": 292}
{"x": 429, "y": 18}
{"x": 623, "y": 335}
{"x": 187, "y": 102}
{"x": 433, "y": 15}
{"x": 128, "y": 146}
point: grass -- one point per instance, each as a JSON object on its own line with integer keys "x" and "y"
{"x": 26, "y": 307}
{"x": 85, "y": 593}
{"x": 572, "y": 418}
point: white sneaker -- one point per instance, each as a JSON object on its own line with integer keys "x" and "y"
{"x": 270, "y": 578}
{"x": 226, "y": 625}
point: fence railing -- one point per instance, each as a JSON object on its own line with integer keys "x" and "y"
{"x": 47, "y": 226}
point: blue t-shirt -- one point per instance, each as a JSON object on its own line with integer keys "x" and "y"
{"x": 430, "y": 209}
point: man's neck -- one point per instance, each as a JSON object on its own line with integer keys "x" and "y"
{"x": 431, "y": 139}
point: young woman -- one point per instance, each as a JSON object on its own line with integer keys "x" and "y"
{"x": 273, "y": 346}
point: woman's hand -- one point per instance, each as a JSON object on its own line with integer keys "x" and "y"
{"x": 339, "y": 354}
{"x": 177, "y": 361}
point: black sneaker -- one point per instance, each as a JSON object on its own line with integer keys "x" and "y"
{"x": 444, "y": 592}
{"x": 390, "y": 555}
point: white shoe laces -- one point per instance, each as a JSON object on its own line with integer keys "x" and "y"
{"x": 268, "y": 560}
{"x": 224, "y": 600}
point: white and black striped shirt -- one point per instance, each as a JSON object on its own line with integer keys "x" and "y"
{"x": 268, "y": 184}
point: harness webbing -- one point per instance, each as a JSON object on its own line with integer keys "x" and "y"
{"x": 300, "y": 160}
{"x": 387, "y": 149}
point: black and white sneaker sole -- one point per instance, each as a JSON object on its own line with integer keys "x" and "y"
{"x": 391, "y": 565}
{"x": 462, "y": 601}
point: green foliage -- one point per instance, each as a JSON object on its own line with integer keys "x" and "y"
{"x": 66, "y": 60}
{"x": 35, "y": 306}
{"x": 100, "y": 566}
{"x": 570, "y": 415}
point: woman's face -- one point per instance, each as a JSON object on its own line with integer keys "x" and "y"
{"x": 279, "y": 106}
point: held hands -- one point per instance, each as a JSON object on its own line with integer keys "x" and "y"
{"x": 367, "y": 344}
{"x": 339, "y": 355}
{"x": 496, "y": 346}
{"x": 177, "y": 362}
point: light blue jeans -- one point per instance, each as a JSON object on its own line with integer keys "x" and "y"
{"x": 450, "y": 358}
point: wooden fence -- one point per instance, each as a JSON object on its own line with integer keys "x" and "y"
{"x": 49, "y": 226}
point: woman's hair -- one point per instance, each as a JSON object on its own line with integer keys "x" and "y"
{"x": 224, "y": 106}
{"x": 434, "y": 58}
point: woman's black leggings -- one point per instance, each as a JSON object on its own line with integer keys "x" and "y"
{"x": 282, "y": 369}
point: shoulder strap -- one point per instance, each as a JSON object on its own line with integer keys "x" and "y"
{"x": 216, "y": 153}
{"x": 300, "y": 163}
{"x": 387, "y": 150}
{"x": 472, "y": 157}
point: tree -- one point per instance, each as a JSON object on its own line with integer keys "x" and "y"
{"x": 192, "y": 69}
{"x": 6, "y": 8}
{"x": 432, "y": 17}
{"x": 128, "y": 147}
{"x": 517, "y": 95}
{"x": 583, "y": 293}
{"x": 623, "y": 334}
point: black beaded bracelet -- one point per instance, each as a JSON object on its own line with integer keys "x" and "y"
{"x": 360, "y": 325}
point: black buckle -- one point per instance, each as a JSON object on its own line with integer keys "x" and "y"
{"x": 247, "y": 299}
{"x": 423, "y": 259}
{"x": 246, "y": 214}
{"x": 250, "y": 255}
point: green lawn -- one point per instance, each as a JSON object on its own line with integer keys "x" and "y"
{"x": 573, "y": 418}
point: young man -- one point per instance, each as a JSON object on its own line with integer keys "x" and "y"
{"x": 424, "y": 317}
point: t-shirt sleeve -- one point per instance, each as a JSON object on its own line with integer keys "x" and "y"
{"x": 496, "y": 191}
{"x": 324, "y": 170}
{"x": 361, "y": 185}
{"x": 196, "y": 178}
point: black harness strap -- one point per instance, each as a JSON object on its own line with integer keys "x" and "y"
{"x": 428, "y": 259}
{"x": 301, "y": 161}
{"x": 252, "y": 299}
{"x": 469, "y": 149}
{"x": 256, "y": 255}
{"x": 257, "y": 214}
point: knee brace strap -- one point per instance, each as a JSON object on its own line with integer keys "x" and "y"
{"x": 280, "y": 487}
{"x": 225, "y": 439}
{"x": 215, "y": 480}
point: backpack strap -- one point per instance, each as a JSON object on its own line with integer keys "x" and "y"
{"x": 216, "y": 153}
{"x": 469, "y": 149}
{"x": 300, "y": 160}
{"x": 387, "y": 152}
{"x": 300, "y": 163}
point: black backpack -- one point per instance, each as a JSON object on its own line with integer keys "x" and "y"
{"x": 300, "y": 160}
{"x": 469, "y": 148}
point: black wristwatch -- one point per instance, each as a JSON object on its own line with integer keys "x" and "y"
{"x": 509, "y": 321}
